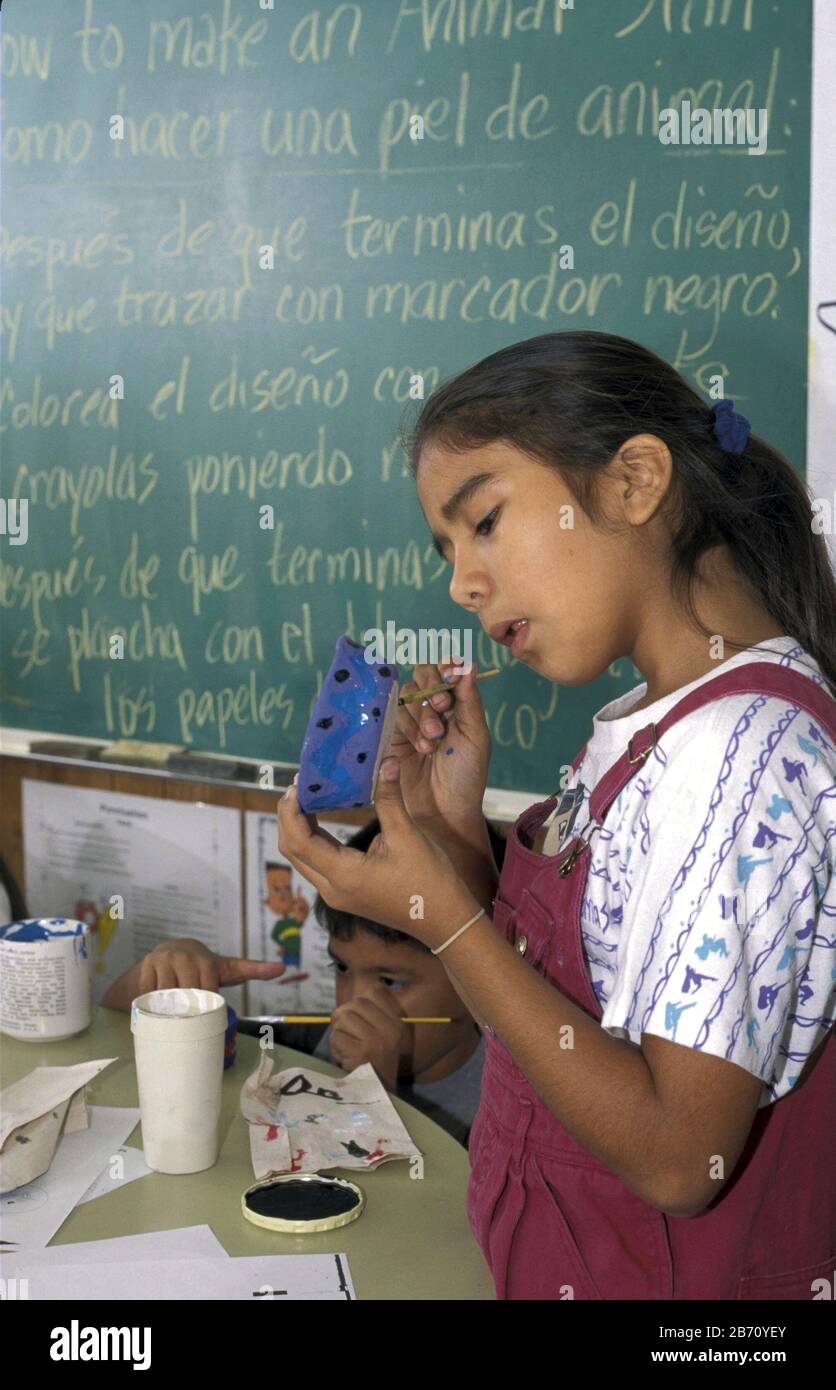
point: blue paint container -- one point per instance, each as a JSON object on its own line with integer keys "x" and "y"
{"x": 231, "y": 1037}
{"x": 45, "y": 979}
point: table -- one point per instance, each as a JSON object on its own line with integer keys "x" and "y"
{"x": 412, "y": 1241}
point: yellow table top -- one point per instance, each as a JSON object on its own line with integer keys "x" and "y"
{"x": 412, "y": 1241}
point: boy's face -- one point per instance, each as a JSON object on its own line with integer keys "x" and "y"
{"x": 421, "y": 988}
{"x": 279, "y": 893}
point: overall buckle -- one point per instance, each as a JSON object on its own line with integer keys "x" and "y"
{"x": 639, "y": 757}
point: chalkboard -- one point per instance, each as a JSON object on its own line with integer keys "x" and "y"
{"x": 166, "y": 378}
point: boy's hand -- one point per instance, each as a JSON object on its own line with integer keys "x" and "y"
{"x": 369, "y": 1029}
{"x": 188, "y": 964}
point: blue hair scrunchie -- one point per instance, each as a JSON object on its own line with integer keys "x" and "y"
{"x": 730, "y": 429}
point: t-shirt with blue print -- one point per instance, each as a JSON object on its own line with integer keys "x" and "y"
{"x": 709, "y": 912}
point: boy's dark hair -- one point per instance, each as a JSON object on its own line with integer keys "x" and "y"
{"x": 570, "y": 400}
{"x": 17, "y": 905}
{"x": 342, "y": 925}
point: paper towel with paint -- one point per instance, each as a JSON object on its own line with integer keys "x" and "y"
{"x": 34, "y": 1112}
{"x": 302, "y": 1121}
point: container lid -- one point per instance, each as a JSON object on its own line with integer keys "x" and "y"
{"x": 302, "y": 1203}
{"x": 179, "y": 1014}
{"x": 29, "y": 929}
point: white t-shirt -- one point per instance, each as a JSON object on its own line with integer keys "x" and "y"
{"x": 709, "y": 914}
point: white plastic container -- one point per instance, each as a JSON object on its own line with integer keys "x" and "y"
{"x": 45, "y": 981}
{"x": 179, "y": 1049}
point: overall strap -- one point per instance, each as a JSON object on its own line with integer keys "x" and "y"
{"x": 755, "y": 678}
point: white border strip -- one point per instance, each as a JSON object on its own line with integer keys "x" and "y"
{"x": 821, "y": 399}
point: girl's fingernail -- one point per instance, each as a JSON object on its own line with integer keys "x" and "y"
{"x": 389, "y": 769}
{"x": 296, "y": 779}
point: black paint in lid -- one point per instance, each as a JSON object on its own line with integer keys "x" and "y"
{"x": 302, "y": 1203}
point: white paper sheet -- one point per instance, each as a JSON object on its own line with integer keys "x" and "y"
{"x": 291, "y": 904}
{"x": 30, "y": 1215}
{"x": 185, "y": 1242}
{"x": 176, "y": 865}
{"x": 253, "y": 1278}
{"x": 125, "y": 1165}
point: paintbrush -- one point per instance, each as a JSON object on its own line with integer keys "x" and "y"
{"x": 441, "y": 689}
{"x": 323, "y": 1018}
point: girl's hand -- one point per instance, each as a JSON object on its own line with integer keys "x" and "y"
{"x": 441, "y": 786}
{"x": 188, "y": 964}
{"x": 404, "y": 880}
{"x": 369, "y": 1029}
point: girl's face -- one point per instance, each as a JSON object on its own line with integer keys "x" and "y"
{"x": 521, "y": 547}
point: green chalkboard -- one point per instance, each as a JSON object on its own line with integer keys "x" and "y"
{"x": 165, "y": 379}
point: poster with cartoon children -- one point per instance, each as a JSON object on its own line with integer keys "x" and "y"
{"x": 282, "y": 924}
{"x": 290, "y": 910}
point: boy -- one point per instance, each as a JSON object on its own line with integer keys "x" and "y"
{"x": 381, "y": 977}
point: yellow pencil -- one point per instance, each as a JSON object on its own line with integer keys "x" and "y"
{"x": 440, "y": 689}
{"x": 326, "y": 1018}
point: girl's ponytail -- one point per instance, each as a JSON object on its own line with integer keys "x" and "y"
{"x": 572, "y": 399}
{"x": 763, "y": 513}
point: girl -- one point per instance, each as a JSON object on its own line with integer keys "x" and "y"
{"x": 656, "y": 980}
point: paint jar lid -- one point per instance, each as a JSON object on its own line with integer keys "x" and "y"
{"x": 302, "y": 1203}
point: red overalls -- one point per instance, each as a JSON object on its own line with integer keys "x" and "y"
{"x": 553, "y": 1221}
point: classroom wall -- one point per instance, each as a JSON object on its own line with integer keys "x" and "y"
{"x": 14, "y": 770}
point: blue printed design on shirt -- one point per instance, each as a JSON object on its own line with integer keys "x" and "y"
{"x": 743, "y": 930}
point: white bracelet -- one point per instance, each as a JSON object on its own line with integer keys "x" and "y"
{"x": 439, "y": 949}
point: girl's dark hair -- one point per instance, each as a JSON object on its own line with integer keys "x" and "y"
{"x": 570, "y": 400}
{"x": 343, "y": 925}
